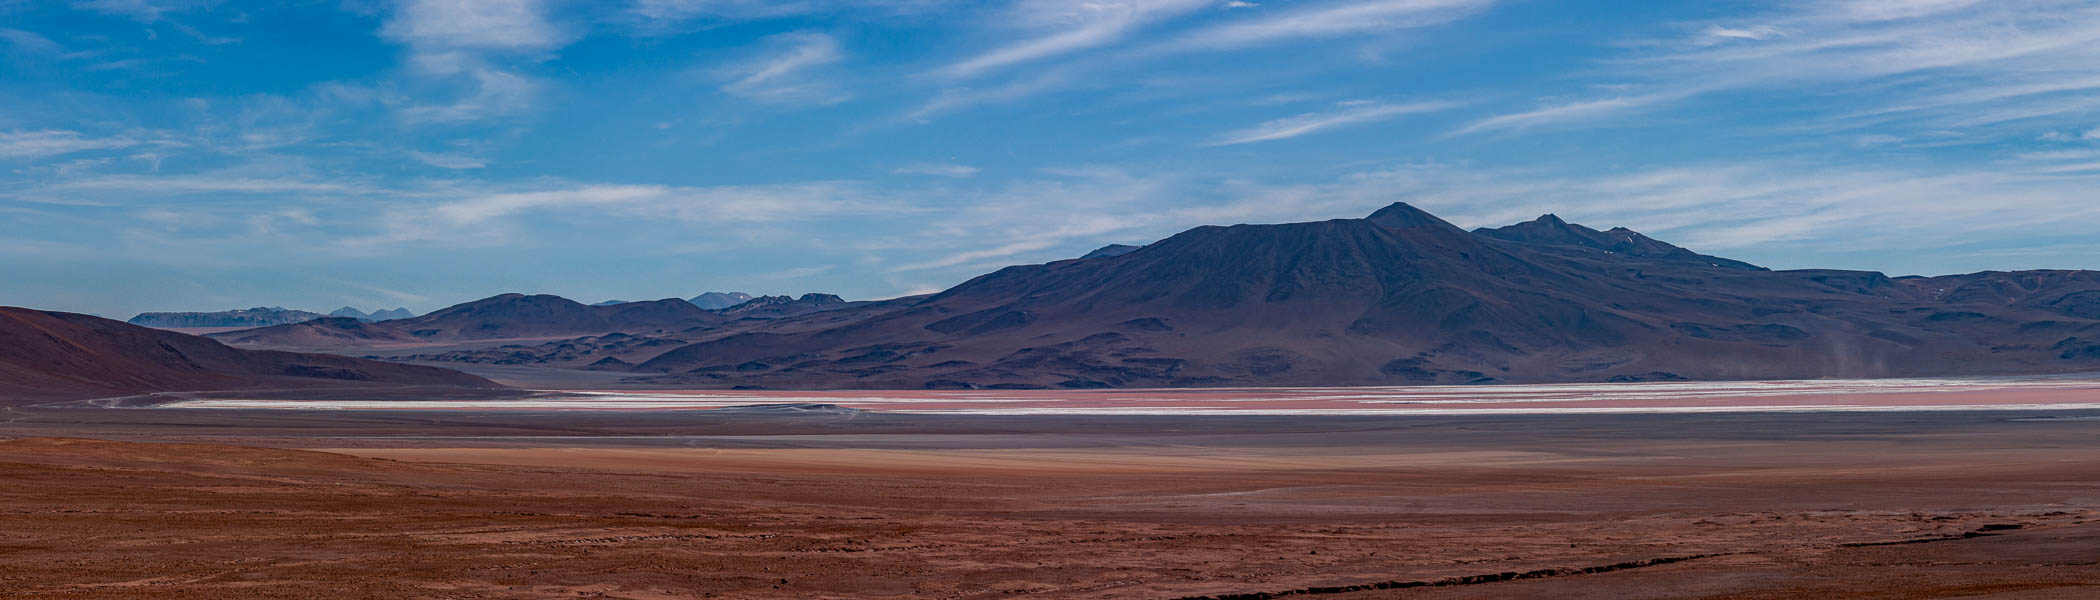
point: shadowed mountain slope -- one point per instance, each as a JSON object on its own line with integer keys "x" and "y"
{"x": 53, "y": 355}
{"x": 1551, "y": 231}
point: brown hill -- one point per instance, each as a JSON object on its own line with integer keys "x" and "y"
{"x": 55, "y": 355}
{"x": 1403, "y": 297}
{"x": 327, "y": 331}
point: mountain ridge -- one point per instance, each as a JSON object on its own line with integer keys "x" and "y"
{"x": 1403, "y": 297}
{"x": 48, "y": 355}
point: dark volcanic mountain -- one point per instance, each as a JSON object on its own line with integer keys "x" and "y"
{"x": 261, "y": 316}
{"x": 53, "y": 355}
{"x": 720, "y": 300}
{"x": 1403, "y": 297}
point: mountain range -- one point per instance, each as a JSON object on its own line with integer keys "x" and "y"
{"x": 1399, "y": 297}
{"x": 261, "y": 316}
{"x": 58, "y": 356}
{"x": 377, "y": 315}
{"x": 516, "y": 316}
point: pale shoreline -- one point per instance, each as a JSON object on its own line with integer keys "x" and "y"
{"x": 1656, "y": 398}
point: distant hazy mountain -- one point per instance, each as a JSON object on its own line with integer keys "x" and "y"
{"x": 352, "y": 312}
{"x": 391, "y": 314}
{"x": 261, "y": 316}
{"x": 497, "y": 317}
{"x": 63, "y": 355}
{"x": 719, "y": 300}
{"x": 773, "y": 307}
{"x": 610, "y": 302}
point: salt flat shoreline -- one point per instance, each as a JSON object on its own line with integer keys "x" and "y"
{"x": 1675, "y": 397}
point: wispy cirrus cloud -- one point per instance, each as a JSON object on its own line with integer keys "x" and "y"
{"x": 483, "y": 215}
{"x": 781, "y": 74}
{"x": 1363, "y": 17}
{"x": 1571, "y": 112}
{"x": 937, "y": 170}
{"x": 445, "y": 160}
{"x": 1074, "y": 26}
{"x": 661, "y": 13}
{"x": 1940, "y": 64}
{"x": 29, "y": 41}
{"x": 1349, "y": 113}
{"x": 55, "y": 142}
{"x": 1112, "y": 31}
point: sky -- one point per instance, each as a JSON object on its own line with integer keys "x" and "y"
{"x": 209, "y": 155}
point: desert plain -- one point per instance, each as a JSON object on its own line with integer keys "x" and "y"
{"x": 1983, "y": 490}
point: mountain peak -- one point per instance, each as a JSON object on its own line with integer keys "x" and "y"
{"x": 1550, "y": 230}
{"x": 719, "y": 300}
{"x": 1401, "y": 215}
{"x": 1111, "y": 250}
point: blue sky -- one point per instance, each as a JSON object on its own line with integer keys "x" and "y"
{"x": 201, "y": 155}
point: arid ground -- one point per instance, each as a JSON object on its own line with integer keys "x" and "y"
{"x": 836, "y": 503}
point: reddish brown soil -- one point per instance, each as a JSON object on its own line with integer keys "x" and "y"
{"x": 1791, "y": 509}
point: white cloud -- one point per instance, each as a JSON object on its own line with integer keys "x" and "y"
{"x": 1349, "y": 114}
{"x": 2093, "y": 134}
{"x": 54, "y": 142}
{"x": 158, "y": 185}
{"x": 447, "y": 161}
{"x": 960, "y": 98}
{"x": 1587, "y": 110}
{"x": 938, "y": 170}
{"x": 658, "y": 13}
{"x": 489, "y": 25}
{"x": 464, "y": 41}
{"x": 476, "y": 215}
{"x": 143, "y": 11}
{"x": 1718, "y": 33}
{"x": 29, "y": 41}
{"x": 797, "y": 273}
{"x": 1361, "y": 17}
{"x": 781, "y": 75}
{"x": 1082, "y": 26}
{"x": 1078, "y": 26}
{"x": 1998, "y": 67}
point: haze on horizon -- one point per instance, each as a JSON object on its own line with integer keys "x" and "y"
{"x": 206, "y": 155}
